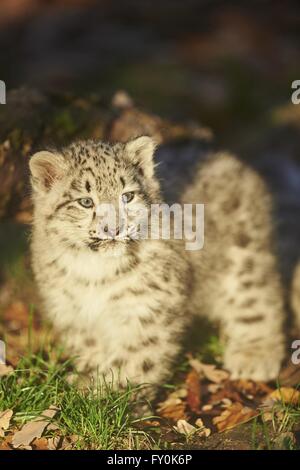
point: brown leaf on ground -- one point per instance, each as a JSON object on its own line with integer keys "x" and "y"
{"x": 250, "y": 388}
{"x": 228, "y": 391}
{"x": 5, "y": 417}
{"x": 52, "y": 427}
{"x": 213, "y": 388}
{"x": 5, "y": 370}
{"x": 209, "y": 371}
{"x": 33, "y": 429}
{"x": 286, "y": 395}
{"x": 202, "y": 430}
{"x": 233, "y": 416}
{"x": 240, "y": 391}
{"x": 6, "y": 443}
{"x": 183, "y": 427}
{"x": 172, "y": 408}
{"x": 151, "y": 423}
{"x": 40, "y": 444}
{"x": 54, "y": 443}
{"x": 193, "y": 391}
{"x": 69, "y": 442}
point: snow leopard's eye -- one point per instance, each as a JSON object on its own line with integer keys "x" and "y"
{"x": 86, "y": 202}
{"x": 127, "y": 197}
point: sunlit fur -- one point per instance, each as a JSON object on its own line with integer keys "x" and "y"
{"x": 121, "y": 305}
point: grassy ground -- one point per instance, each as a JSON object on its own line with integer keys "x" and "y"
{"x": 98, "y": 417}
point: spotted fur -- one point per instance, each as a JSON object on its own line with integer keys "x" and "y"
{"x": 122, "y": 306}
{"x": 237, "y": 274}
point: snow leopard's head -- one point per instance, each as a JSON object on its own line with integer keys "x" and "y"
{"x": 91, "y": 195}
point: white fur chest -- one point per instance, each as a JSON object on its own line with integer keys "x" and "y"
{"x": 84, "y": 296}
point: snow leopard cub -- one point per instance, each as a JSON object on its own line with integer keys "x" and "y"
{"x": 119, "y": 304}
{"x": 122, "y": 305}
{"x": 237, "y": 279}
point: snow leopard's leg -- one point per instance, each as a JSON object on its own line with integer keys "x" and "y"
{"x": 238, "y": 277}
{"x": 250, "y": 305}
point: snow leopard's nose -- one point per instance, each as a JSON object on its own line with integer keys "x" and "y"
{"x": 112, "y": 232}
{"x": 106, "y": 232}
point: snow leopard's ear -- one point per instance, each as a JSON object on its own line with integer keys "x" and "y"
{"x": 140, "y": 152}
{"x": 46, "y": 168}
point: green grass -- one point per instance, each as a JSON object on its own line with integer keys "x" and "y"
{"x": 284, "y": 420}
{"x": 285, "y": 416}
{"x": 99, "y": 416}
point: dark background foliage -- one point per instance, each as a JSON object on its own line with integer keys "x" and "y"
{"x": 225, "y": 63}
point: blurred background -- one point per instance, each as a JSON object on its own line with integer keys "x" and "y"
{"x": 216, "y": 67}
{"x": 225, "y": 63}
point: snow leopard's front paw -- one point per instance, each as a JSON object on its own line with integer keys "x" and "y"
{"x": 256, "y": 363}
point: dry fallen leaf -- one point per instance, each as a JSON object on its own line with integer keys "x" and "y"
{"x": 267, "y": 416}
{"x": 287, "y": 395}
{"x": 193, "y": 391}
{"x": 6, "y": 443}
{"x": 228, "y": 392}
{"x": 250, "y": 388}
{"x": 54, "y": 442}
{"x": 178, "y": 393}
{"x": 213, "y": 388}
{"x": 183, "y": 427}
{"x": 199, "y": 423}
{"x": 226, "y": 403}
{"x": 40, "y": 444}
{"x": 153, "y": 423}
{"x": 172, "y": 408}
{"x": 33, "y": 429}
{"x": 57, "y": 443}
{"x": 209, "y": 371}
{"x": 52, "y": 427}
{"x": 202, "y": 431}
{"x": 5, "y": 417}
{"x": 68, "y": 443}
{"x": 207, "y": 407}
{"x": 234, "y": 415}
